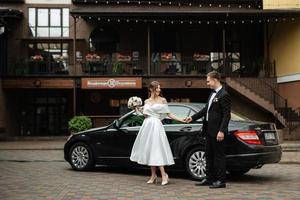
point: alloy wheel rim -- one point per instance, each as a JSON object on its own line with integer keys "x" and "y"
{"x": 80, "y": 157}
{"x": 197, "y": 164}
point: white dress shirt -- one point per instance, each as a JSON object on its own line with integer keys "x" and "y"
{"x": 211, "y": 99}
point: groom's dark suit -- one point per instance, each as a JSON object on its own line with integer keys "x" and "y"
{"x": 218, "y": 119}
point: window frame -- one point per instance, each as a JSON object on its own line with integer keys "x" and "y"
{"x": 34, "y": 28}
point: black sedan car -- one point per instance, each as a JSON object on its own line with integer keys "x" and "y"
{"x": 249, "y": 144}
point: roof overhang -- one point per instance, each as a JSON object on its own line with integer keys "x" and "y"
{"x": 182, "y": 13}
{"x": 6, "y": 13}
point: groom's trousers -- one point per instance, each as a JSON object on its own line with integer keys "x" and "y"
{"x": 215, "y": 159}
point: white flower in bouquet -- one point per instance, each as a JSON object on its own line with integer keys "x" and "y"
{"x": 134, "y": 102}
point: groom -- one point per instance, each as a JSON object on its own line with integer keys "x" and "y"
{"x": 216, "y": 115}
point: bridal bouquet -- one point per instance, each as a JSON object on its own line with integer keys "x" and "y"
{"x": 134, "y": 102}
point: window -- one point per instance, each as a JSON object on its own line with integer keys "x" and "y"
{"x": 132, "y": 120}
{"x": 49, "y": 22}
{"x": 179, "y": 111}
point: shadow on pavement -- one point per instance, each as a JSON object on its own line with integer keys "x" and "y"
{"x": 246, "y": 178}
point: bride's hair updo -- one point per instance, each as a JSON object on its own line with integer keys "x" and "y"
{"x": 152, "y": 87}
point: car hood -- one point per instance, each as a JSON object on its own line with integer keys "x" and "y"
{"x": 91, "y": 130}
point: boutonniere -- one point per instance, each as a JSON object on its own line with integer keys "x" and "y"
{"x": 215, "y": 100}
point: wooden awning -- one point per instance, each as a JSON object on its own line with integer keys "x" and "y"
{"x": 182, "y": 13}
{"x": 10, "y": 13}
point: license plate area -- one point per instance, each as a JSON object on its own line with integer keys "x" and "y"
{"x": 270, "y": 138}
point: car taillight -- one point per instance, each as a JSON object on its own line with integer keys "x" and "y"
{"x": 250, "y": 137}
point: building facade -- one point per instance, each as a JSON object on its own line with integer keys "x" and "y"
{"x": 86, "y": 57}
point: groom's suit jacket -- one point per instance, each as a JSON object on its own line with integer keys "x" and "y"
{"x": 218, "y": 114}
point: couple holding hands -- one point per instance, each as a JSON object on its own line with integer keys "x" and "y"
{"x": 152, "y": 148}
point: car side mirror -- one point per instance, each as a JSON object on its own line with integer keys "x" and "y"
{"x": 116, "y": 124}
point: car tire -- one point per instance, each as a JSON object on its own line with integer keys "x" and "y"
{"x": 238, "y": 172}
{"x": 81, "y": 157}
{"x": 195, "y": 163}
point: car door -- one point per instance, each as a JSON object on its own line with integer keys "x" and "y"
{"x": 175, "y": 129}
{"x": 129, "y": 127}
{"x": 115, "y": 144}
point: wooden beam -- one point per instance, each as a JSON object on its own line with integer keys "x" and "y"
{"x": 183, "y": 83}
{"x": 55, "y": 83}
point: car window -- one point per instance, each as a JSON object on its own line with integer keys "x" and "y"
{"x": 132, "y": 120}
{"x": 178, "y": 111}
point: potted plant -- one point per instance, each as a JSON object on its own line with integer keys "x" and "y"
{"x": 118, "y": 68}
{"x": 79, "y": 123}
{"x": 37, "y": 57}
{"x": 194, "y": 70}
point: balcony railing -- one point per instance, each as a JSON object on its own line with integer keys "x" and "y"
{"x": 38, "y": 67}
{"x": 186, "y": 66}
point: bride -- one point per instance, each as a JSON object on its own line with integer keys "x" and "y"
{"x": 151, "y": 146}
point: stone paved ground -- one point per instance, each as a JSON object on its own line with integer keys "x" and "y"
{"x": 36, "y": 170}
{"x": 42, "y": 174}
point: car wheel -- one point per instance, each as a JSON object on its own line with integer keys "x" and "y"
{"x": 238, "y": 172}
{"x": 195, "y": 163}
{"x": 81, "y": 157}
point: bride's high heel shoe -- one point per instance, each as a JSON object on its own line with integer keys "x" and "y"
{"x": 166, "y": 181}
{"x": 152, "y": 180}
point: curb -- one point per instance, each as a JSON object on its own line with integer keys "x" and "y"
{"x": 33, "y": 138}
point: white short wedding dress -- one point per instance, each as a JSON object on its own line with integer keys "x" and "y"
{"x": 151, "y": 146}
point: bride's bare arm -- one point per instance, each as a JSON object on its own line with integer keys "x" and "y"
{"x": 175, "y": 117}
{"x": 171, "y": 115}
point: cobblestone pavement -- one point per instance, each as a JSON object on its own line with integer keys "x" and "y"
{"x": 41, "y": 174}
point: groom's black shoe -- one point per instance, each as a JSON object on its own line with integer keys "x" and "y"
{"x": 218, "y": 184}
{"x": 204, "y": 182}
